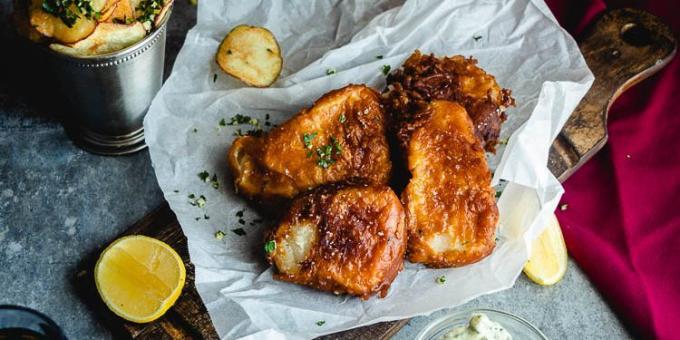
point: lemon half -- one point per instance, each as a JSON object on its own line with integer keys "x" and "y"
{"x": 139, "y": 277}
{"x": 548, "y": 261}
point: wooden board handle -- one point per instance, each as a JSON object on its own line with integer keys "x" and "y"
{"x": 624, "y": 47}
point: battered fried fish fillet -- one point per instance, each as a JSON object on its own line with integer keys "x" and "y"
{"x": 342, "y": 239}
{"x": 341, "y": 136}
{"x": 450, "y": 206}
{"x": 424, "y": 78}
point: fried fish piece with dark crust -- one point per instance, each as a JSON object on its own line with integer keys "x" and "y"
{"x": 424, "y": 78}
{"x": 342, "y": 239}
{"x": 341, "y": 136}
{"x": 450, "y": 206}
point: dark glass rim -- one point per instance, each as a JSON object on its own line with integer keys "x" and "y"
{"x": 34, "y": 314}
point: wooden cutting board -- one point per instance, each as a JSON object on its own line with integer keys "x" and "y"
{"x": 622, "y": 48}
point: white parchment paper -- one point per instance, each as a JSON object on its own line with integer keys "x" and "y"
{"x": 518, "y": 41}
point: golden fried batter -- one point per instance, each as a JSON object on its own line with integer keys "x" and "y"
{"x": 450, "y": 207}
{"x": 424, "y": 78}
{"x": 342, "y": 239}
{"x": 341, "y": 136}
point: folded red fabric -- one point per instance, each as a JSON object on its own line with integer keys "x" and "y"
{"x": 622, "y": 219}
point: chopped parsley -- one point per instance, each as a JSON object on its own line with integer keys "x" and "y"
{"x": 219, "y": 234}
{"x": 240, "y": 119}
{"x": 214, "y": 77}
{"x": 379, "y": 57}
{"x": 320, "y": 323}
{"x": 149, "y": 9}
{"x": 325, "y": 152}
{"x": 213, "y": 181}
{"x": 69, "y": 11}
{"x": 195, "y": 130}
{"x": 342, "y": 119}
{"x": 206, "y": 217}
{"x": 441, "y": 280}
{"x": 386, "y": 69}
{"x": 498, "y": 193}
{"x": 336, "y": 145}
{"x": 307, "y": 139}
{"x": 477, "y": 37}
{"x": 176, "y": 191}
{"x": 197, "y": 201}
{"x": 239, "y": 231}
{"x": 242, "y": 220}
{"x": 270, "y": 246}
{"x": 204, "y": 175}
{"x": 330, "y": 71}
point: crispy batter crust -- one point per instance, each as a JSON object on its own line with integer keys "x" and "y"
{"x": 279, "y": 165}
{"x": 359, "y": 241}
{"x": 451, "y": 211}
{"x": 424, "y": 78}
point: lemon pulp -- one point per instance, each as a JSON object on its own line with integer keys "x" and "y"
{"x": 139, "y": 277}
{"x": 548, "y": 261}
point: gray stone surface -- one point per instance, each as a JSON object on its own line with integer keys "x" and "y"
{"x": 571, "y": 309}
{"x": 59, "y": 203}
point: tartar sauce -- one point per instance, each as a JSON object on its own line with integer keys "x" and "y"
{"x": 480, "y": 327}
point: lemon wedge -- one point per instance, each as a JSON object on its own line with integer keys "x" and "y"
{"x": 548, "y": 261}
{"x": 139, "y": 277}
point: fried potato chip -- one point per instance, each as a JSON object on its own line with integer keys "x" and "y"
{"x": 52, "y": 26}
{"x": 164, "y": 11}
{"x": 107, "y": 38}
{"x": 135, "y": 5}
{"x": 99, "y": 5}
{"x": 123, "y": 13}
{"x": 106, "y": 13}
{"x": 20, "y": 20}
{"x": 250, "y": 54}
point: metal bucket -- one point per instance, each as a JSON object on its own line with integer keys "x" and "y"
{"x": 108, "y": 95}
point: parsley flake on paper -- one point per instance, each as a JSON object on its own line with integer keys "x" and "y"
{"x": 204, "y": 175}
{"x": 197, "y": 201}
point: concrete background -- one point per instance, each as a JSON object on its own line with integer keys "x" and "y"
{"x": 59, "y": 203}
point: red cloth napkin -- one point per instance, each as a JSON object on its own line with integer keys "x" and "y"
{"x": 622, "y": 220}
